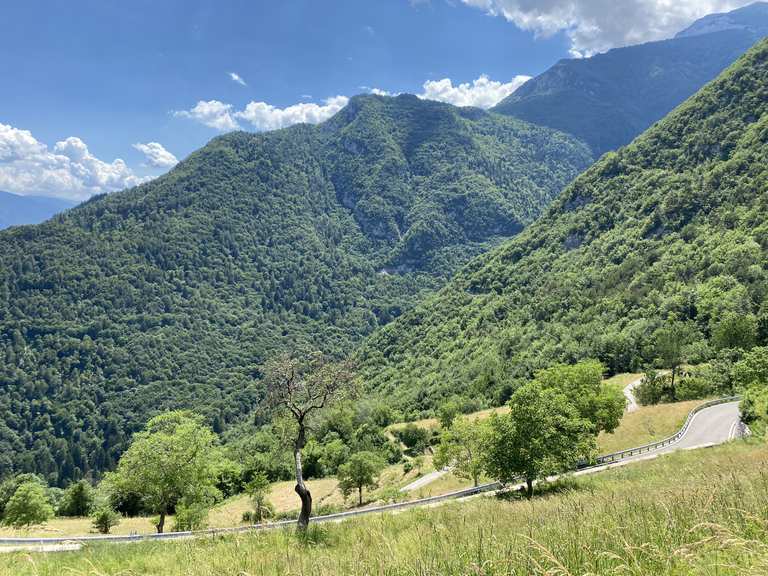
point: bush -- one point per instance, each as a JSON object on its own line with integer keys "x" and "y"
{"x": 416, "y": 439}
{"x": 191, "y": 516}
{"x": 105, "y": 518}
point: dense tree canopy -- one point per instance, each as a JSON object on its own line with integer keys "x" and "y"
{"x": 674, "y": 226}
{"x": 173, "y": 294}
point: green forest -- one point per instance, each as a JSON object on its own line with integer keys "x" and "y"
{"x": 173, "y": 294}
{"x": 669, "y": 234}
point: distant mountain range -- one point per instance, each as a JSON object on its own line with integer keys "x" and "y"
{"x": 609, "y": 99}
{"x": 16, "y": 210}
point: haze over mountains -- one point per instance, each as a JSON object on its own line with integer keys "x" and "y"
{"x": 16, "y": 210}
{"x": 610, "y": 98}
{"x": 174, "y": 293}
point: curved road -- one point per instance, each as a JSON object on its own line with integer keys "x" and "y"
{"x": 713, "y": 425}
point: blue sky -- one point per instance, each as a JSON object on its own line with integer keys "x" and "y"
{"x": 87, "y": 82}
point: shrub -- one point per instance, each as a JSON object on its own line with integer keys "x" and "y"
{"x": 105, "y": 518}
{"x": 78, "y": 500}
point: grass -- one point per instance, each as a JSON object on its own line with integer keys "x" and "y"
{"x": 647, "y": 424}
{"x": 702, "y": 513}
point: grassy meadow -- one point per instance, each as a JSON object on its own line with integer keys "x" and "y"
{"x": 647, "y": 424}
{"x": 633, "y": 520}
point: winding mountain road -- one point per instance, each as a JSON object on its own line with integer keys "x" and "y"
{"x": 707, "y": 427}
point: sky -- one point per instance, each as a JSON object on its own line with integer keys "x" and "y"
{"x": 100, "y": 95}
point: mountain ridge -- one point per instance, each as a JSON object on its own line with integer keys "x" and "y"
{"x": 609, "y": 99}
{"x": 173, "y": 294}
{"x": 17, "y": 210}
{"x": 671, "y": 226}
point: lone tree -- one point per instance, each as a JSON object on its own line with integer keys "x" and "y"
{"x": 583, "y": 385}
{"x": 362, "y": 471}
{"x": 304, "y": 387}
{"x": 29, "y": 505}
{"x": 173, "y": 460}
{"x": 462, "y": 447}
{"x": 542, "y": 434}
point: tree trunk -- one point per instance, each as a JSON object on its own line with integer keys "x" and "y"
{"x": 301, "y": 488}
{"x": 529, "y": 488}
{"x": 475, "y": 480}
{"x": 672, "y": 385}
{"x": 360, "y": 495}
{"x": 161, "y": 523}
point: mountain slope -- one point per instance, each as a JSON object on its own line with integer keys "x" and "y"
{"x": 674, "y": 224}
{"x": 16, "y": 210}
{"x": 609, "y": 99}
{"x": 174, "y": 293}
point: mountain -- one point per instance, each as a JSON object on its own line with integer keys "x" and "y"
{"x": 673, "y": 225}
{"x": 16, "y": 210}
{"x": 173, "y": 294}
{"x": 752, "y": 19}
{"x": 609, "y": 99}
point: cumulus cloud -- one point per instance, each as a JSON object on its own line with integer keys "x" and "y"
{"x": 261, "y": 115}
{"x": 482, "y": 93}
{"x": 156, "y": 154}
{"x": 213, "y": 114}
{"x": 27, "y": 166}
{"x": 235, "y": 77}
{"x": 598, "y": 25}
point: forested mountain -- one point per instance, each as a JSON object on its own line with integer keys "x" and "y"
{"x": 173, "y": 294}
{"x": 609, "y": 99}
{"x": 16, "y": 210}
{"x": 672, "y": 229}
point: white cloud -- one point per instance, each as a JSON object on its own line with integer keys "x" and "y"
{"x": 213, "y": 114}
{"x": 261, "y": 115}
{"x": 27, "y": 166}
{"x": 156, "y": 154}
{"x": 235, "y": 77}
{"x": 598, "y": 25}
{"x": 482, "y": 93}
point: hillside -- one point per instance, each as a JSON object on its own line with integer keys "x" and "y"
{"x": 173, "y": 294}
{"x": 630, "y": 520}
{"x": 609, "y": 99}
{"x": 672, "y": 225}
{"x": 16, "y": 210}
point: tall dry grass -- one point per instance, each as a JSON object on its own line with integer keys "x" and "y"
{"x": 702, "y": 513}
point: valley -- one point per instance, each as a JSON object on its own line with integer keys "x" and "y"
{"x": 310, "y": 302}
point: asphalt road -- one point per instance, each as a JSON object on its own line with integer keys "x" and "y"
{"x": 713, "y": 425}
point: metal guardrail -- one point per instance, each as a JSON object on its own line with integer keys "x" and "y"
{"x": 622, "y": 454}
{"x": 489, "y": 487}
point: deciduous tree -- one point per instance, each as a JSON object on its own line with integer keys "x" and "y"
{"x": 175, "y": 458}
{"x": 362, "y": 471}
{"x": 542, "y": 434}
{"x": 462, "y": 447}
{"x": 303, "y": 387}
